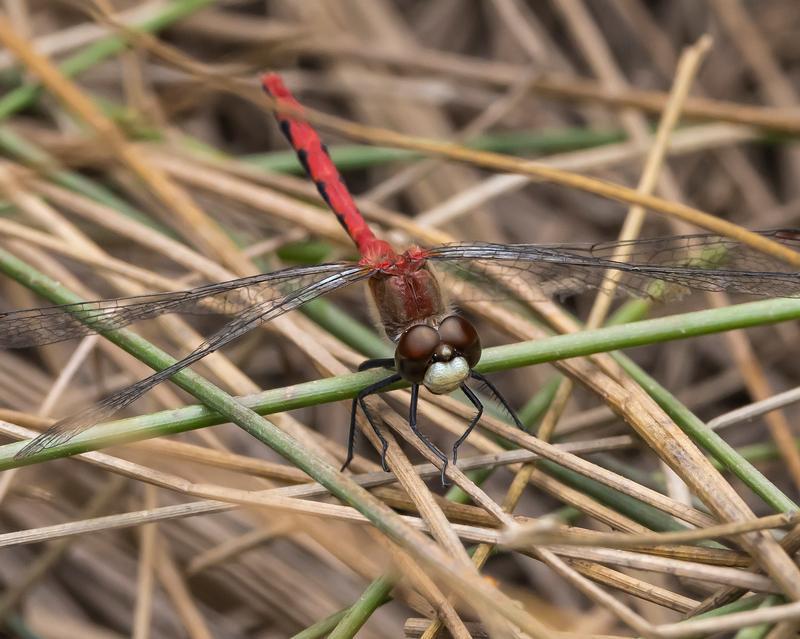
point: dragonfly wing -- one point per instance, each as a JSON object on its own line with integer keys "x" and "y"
{"x": 661, "y": 268}
{"x": 497, "y": 279}
{"x": 257, "y": 314}
{"x": 706, "y": 251}
{"x": 51, "y": 324}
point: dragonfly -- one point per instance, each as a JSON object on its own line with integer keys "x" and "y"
{"x": 436, "y": 347}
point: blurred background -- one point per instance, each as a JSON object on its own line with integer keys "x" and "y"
{"x": 578, "y": 85}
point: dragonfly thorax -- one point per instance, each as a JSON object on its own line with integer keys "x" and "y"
{"x": 440, "y": 358}
{"x": 406, "y": 294}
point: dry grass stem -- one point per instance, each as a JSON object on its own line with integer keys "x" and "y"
{"x": 139, "y": 156}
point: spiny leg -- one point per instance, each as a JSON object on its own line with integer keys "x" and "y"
{"x": 351, "y": 437}
{"x": 473, "y": 398}
{"x": 501, "y": 400}
{"x": 358, "y": 400}
{"x": 412, "y": 422}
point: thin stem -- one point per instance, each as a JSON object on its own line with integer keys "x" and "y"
{"x": 721, "y": 450}
{"x": 338, "y": 484}
{"x": 346, "y": 386}
{"x": 376, "y": 594}
{"x": 92, "y": 55}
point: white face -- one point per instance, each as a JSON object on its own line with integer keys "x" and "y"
{"x": 444, "y": 377}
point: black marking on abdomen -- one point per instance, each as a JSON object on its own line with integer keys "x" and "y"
{"x": 286, "y": 129}
{"x": 302, "y": 155}
{"x": 323, "y": 191}
{"x": 322, "y": 187}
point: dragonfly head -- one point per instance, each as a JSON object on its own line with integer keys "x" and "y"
{"x": 440, "y": 358}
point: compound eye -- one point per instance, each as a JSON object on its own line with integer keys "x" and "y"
{"x": 462, "y": 336}
{"x": 414, "y": 352}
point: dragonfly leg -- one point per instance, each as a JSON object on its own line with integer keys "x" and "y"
{"x": 381, "y": 362}
{"x": 358, "y": 400}
{"x": 412, "y": 422}
{"x": 473, "y": 398}
{"x": 500, "y": 399}
{"x": 351, "y": 435}
{"x": 351, "y": 438}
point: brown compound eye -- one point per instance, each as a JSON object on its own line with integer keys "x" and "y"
{"x": 414, "y": 352}
{"x": 462, "y": 336}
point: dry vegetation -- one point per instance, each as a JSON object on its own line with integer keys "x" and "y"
{"x": 155, "y": 165}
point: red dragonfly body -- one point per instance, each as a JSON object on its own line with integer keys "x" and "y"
{"x": 433, "y": 347}
{"x": 405, "y": 291}
{"x": 403, "y": 288}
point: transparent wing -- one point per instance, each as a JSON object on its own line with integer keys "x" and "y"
{"x": 323, "y": 281}
{"x": 50, "y": 324}
{"x": 662, "y": 268}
